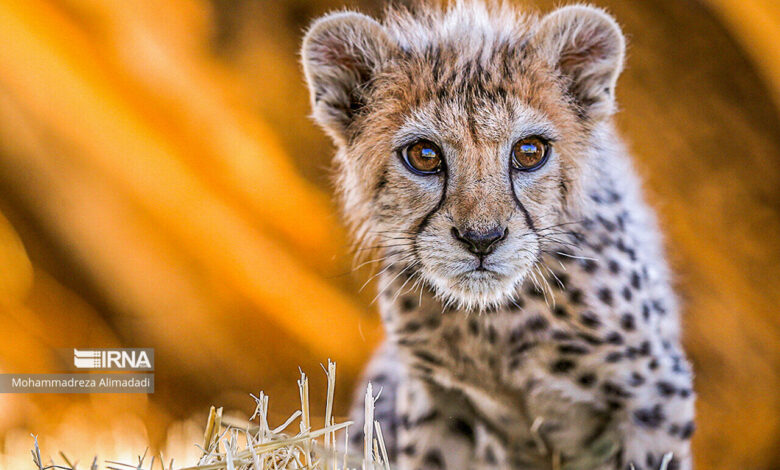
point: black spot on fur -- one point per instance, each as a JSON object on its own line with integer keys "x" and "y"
{"x": 605, "y": 241}
{"x": 587, "y": 380}
{"x": 614, "y": 356}
{"x": 665, "y": 389}
{"x": 687, "y": 430}
{"x": 589, "y": 266}
{"x": 427, "y": 357}
{"x": 611, "y": 196}
{"x": 560, "y": 311}
{"x": 650, "y": 417}
{"x": 621, "y": 221}
{"x": 558, "y": 280}
{"x": 492, "y": 334}
{"x": 408, "y": 341}
{"x": 560, "y": 335}
{"x": 615, "y": 390}
{"x": 516, "y": 335}
{"x": 408, "y": 304}
{"x": 590, "y": 320}
{"x": 632, "y": 352}
{"x": 635, "y": 281}
{"x": 614, "y": 405}
{"x": 473, "y": 327}
{"x": 605, "y": 295}
{"x": 461, "y": 427}
{"x": 433, "y": 321}
{"x": 677, "y": 365}
{"x": 627, "y": 293}
{"x": 575, "y": 349}
{"x": 626, "y": 249}
{"x": 433, "y": 459}
{"x": 627, "y": 322}
{"x": 636, "y": 379}
{"x": 614, "y": 267}
{"x": 590, "y": 339}
{"x": 562, "y": 366}
{"x": 576, "y": 297}
{"x": 614, "y": 338}
{"x": 521, "y": 348}
{"x": 408, "y": 449}
{"x": 411, "y": 327}
{"x": 535, "y": 291}
{"x": 645, "y": 311}
{"x": 537, "y": 323}
{"x": 490, "y": 456}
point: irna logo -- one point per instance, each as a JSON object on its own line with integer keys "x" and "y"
{"x": 114, "y": 359}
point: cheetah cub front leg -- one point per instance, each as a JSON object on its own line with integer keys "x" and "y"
{"x": 435, "y": 430}
{"x": 424, "y": 425}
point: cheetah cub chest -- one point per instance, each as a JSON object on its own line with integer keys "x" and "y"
{"x": 529, "y": 316}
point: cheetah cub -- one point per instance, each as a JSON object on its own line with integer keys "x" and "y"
{"x": 529, "y": 316}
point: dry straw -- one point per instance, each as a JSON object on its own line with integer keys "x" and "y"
{"x": 253, "y": 445}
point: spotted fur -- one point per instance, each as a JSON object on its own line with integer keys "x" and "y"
{"x": 560, "y": 348}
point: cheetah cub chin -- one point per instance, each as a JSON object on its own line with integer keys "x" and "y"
{"x": 529, "y": 316}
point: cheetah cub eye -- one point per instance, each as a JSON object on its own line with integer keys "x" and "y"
{"x": 422, "y": 158}
{"x": 530, "y": 153}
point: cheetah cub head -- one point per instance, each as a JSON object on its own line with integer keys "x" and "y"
{"x": 465, "y": 133}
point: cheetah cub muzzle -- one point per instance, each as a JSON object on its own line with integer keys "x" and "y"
{"x": 522, "y": 283}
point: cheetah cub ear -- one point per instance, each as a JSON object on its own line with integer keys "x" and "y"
{"x": 586, "y": 46}
{"x": 340, "y": 54}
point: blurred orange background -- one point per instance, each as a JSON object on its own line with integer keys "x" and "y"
{"x": 161, "y": 186}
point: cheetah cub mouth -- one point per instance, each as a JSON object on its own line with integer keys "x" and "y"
{"x": 463, "y": 161}
{"x": 474, "y": 266}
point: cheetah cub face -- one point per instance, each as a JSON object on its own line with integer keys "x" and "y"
{"x": 464, "y": 139}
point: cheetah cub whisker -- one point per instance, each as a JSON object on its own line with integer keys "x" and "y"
{"x": 524, "y": 289}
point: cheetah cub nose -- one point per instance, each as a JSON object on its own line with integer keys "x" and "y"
{"x": 481, "y": 243}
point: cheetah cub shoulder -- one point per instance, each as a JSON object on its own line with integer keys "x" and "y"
{"x": 529, "y": 315}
